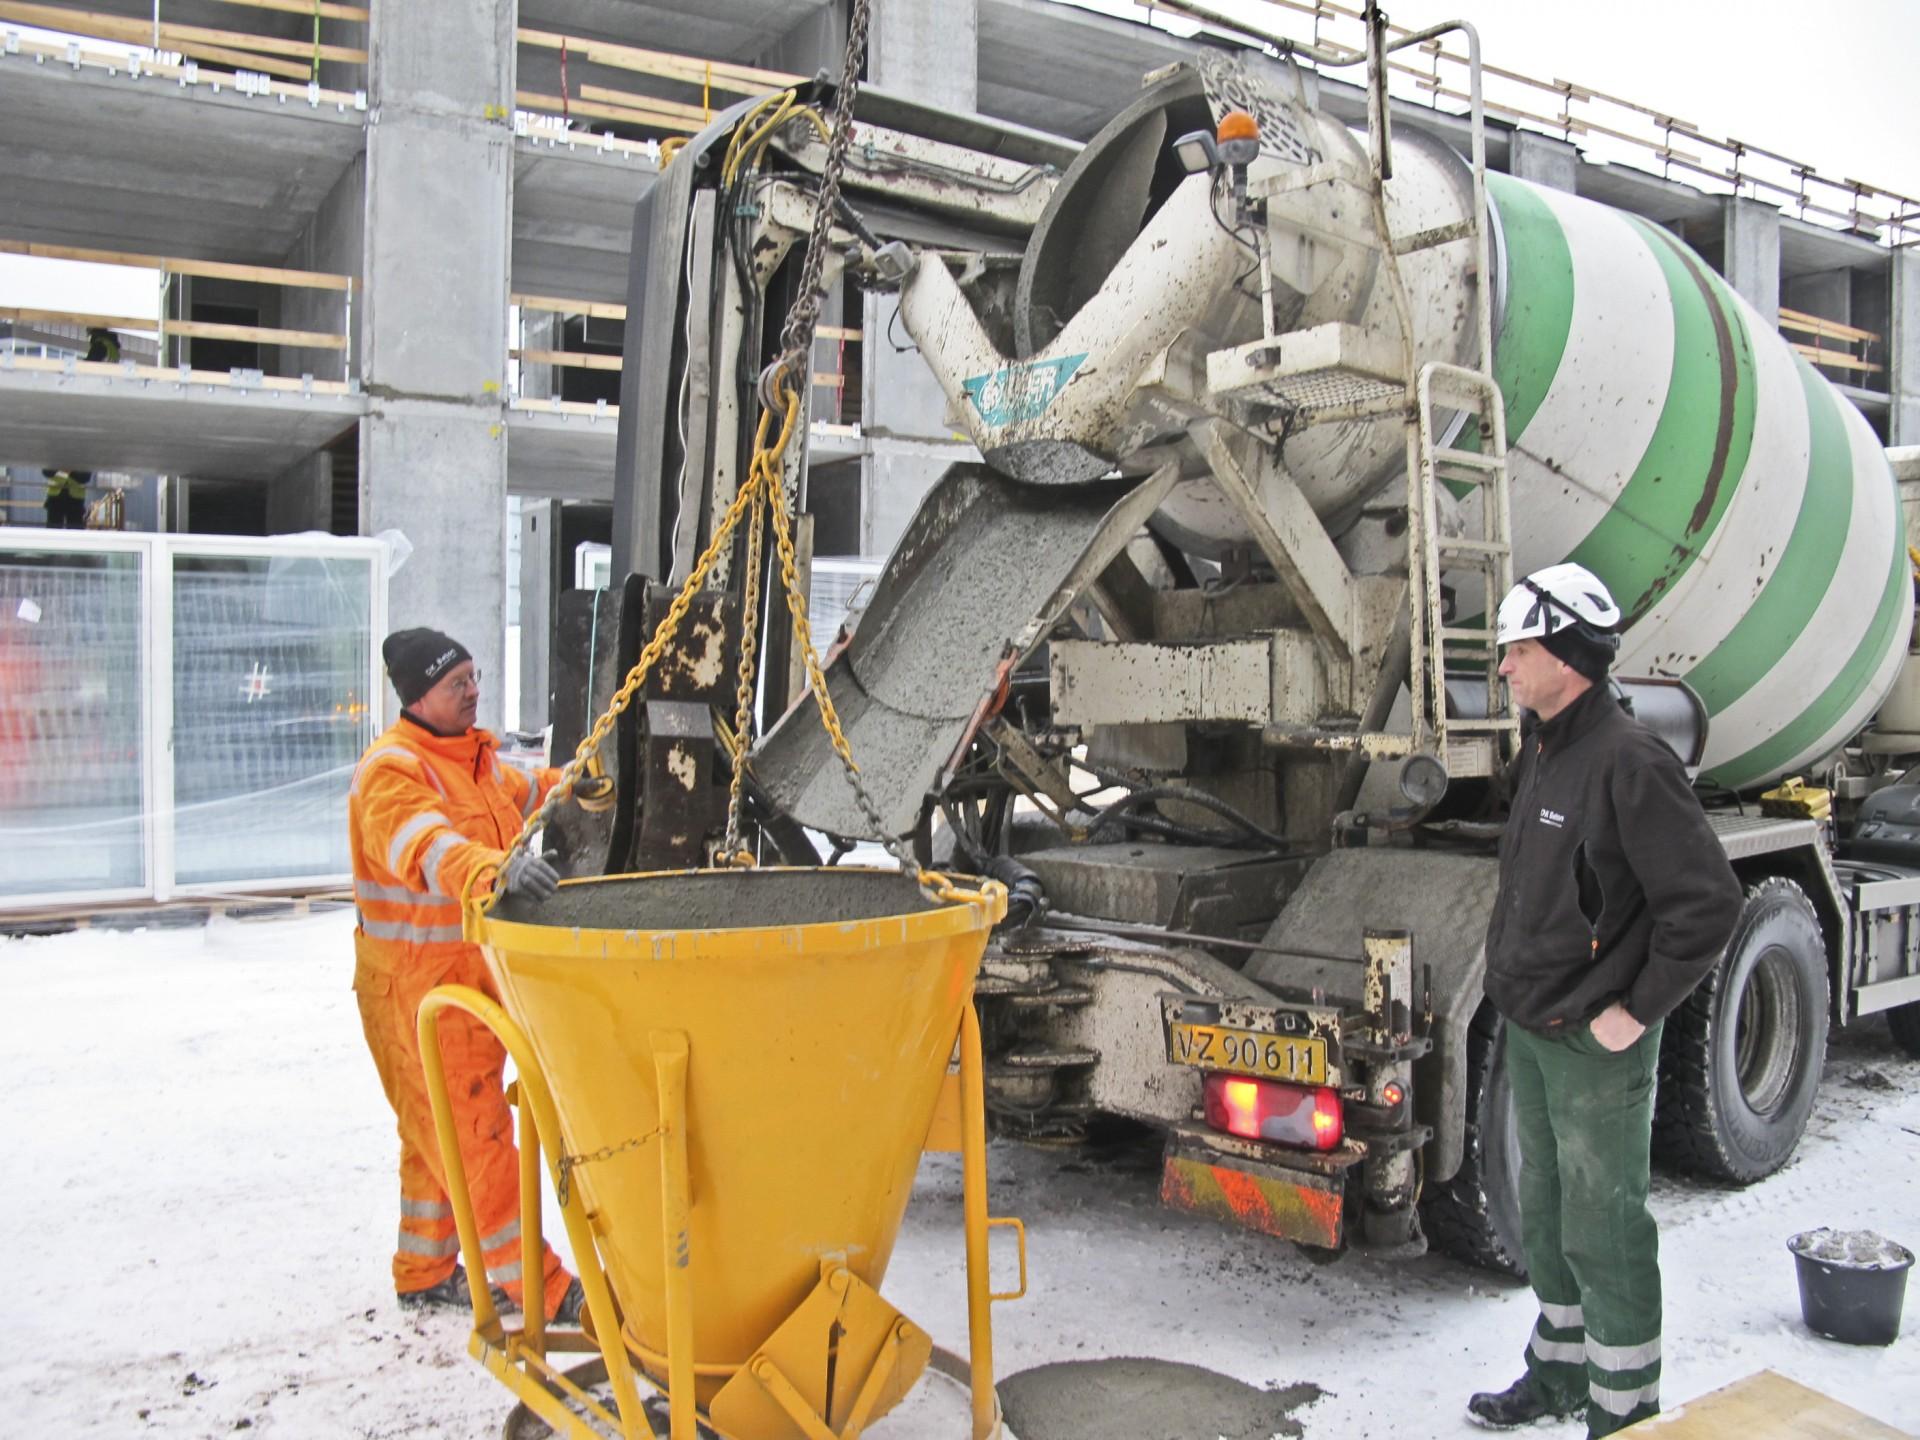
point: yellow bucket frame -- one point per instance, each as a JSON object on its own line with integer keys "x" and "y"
{"x": 519, "y": 1359}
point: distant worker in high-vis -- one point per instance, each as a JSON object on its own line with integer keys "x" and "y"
{"x": 430, "y": 806}
{"x": 1615, "y": 900}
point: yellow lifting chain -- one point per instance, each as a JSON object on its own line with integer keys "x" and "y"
{"x": 764, "y": 492}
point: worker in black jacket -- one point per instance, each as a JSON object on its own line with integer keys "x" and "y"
{"x": 1615, "y": 900}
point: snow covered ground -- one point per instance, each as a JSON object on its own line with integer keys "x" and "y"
{"x": 200, "y": 1165}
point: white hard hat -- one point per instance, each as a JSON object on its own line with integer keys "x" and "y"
{"x": 1560, "y": 597}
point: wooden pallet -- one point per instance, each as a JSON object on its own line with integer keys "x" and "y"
{"x": 1766, "y": 1406}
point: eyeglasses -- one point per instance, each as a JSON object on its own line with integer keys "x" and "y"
{"x": 468, "y": 682}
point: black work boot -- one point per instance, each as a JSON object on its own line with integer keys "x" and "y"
{"x": 572, "y": 1303}
{"x": 452, "y": 1293}
{"x": 1521, "y": 1403}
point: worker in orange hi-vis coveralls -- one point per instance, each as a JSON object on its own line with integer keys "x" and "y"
{"x": 431, "y": 804}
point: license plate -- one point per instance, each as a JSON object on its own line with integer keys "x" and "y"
{"x": 1248, "y": 1052}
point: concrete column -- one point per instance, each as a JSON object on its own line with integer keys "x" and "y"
{"x": 930, "y": 50}
{"x": 433, "y": 448}
{"x": 1752, "y": 253}
{"x": 540, "y": 585}
{"x": 927, "y": 49}
{"x": 818, "y": 42}
{"x": 1827, "y": 293}
{"x": 1543, "y": 160}
{"x": 1903, "y": 350}
{"x": 909, "y": 443}
{"x": 332, "y": 242}
{"x": 301, "y": 496}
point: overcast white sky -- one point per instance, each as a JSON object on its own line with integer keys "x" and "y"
{"x": 1831, "y": 85}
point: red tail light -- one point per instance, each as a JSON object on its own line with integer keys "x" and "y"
{"x": 1287, "y": 1114}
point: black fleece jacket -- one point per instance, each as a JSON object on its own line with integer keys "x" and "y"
{"x": 1612, "y": 884}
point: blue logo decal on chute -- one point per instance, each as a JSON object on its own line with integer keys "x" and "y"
{"x": 1020, "y": 392}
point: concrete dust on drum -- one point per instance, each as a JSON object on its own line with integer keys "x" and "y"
{"x": 1080, "y": 1400}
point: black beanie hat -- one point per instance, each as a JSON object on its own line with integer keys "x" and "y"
{"x": 1589, "y": 654}
{"x": 417, "y": 659}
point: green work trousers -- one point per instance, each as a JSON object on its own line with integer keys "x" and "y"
{"x": 1593, "y": 1253}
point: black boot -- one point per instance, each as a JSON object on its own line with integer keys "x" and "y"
{"x": 1521, "y": 1403}
{"x": 567, "y": 1312}
{"x": 451, "y": 1293}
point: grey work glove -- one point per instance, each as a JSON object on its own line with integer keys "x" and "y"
{"x": 529, "y": 875}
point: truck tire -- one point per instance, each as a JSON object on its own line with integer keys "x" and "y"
{"x": 1475, "y": 1216}
{"x": 1741, "y": 1057}
{"x": 1904, "y": 1021}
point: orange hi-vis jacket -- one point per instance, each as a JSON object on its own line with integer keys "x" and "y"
{"x": 425, "y": 813}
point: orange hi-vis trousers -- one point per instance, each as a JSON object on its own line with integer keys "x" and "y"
{"x": 428, "y": 1243}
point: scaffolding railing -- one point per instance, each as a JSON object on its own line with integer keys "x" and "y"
{"x": 273, "y": 57}
{"x": 1578, "y": 111}
{"x": 176, "y": 334}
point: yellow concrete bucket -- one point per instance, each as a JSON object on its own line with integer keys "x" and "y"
{"x": 742, "y": 1068}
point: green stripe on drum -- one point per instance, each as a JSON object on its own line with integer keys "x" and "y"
{"x": 1799, "y": 581}
{"x": 1789, "y": 746}
{"x": 1670, "y": 508}
{"x": 1539, "y": 307}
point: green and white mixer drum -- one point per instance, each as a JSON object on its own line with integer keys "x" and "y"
{"x": 1742, "y": 511}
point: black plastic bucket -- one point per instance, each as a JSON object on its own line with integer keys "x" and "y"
{"x": 1852, "y": 1284}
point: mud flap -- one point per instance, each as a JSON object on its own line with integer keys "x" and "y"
{"x": 1293, "y": 1204}
{"x": 985, "y": 569}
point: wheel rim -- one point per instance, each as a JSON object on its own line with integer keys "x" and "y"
{"x": 1766, "y": 1032}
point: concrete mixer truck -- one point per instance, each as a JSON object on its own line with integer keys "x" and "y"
{"x": 1198, "y": 655}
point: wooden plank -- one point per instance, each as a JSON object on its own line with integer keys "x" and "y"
{"x": 173, "y": 265}
{"x": 1766, "y": 1406}
{"x": 830, "y": 382}
{"x": 1820, "y": 325}
{"x": 219, "y": 379}
{"x": 241, "y": 60}
{"x": 328, "y": 10}
{"x": 141, "y": 32}
{"x": 837, "y": 332}
{"x": 576, "y": 359}
{"x": 632, "y": 99}
{"x": 264, "y": 334}
{"x": 592, "y": 110}
{"x": 1836, "y": 359}
{"x": 26, "y": 316}
{"x": 688, "y": 69}
{"x": 598, "y": 309}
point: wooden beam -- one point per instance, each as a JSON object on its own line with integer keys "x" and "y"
{"x": 553, "y": 105}
{"x": 242, "y": 60}
{"x": 174, "y": 265}
{"x": 575, "y": 359}
{"x": 836, "y": 332}
{"x": 264, "y": 334}
{"x": 25, "y": 316}
{"x": 598, "y": 309}
{"x": 634, "y": 100}
{"x": 688, "y": 69}
{"x": 1836, "y": 359}
{"x": 127, "y": 29}
{"x": 327, "y": 9}
{"x": 1820, "y": 325}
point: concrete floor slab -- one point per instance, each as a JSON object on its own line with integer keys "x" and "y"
{"x": 573, "y": 216}
{"x": 159, "y": 426}
{"x": 560, "y": 453}
{"x": 104, "y": 160}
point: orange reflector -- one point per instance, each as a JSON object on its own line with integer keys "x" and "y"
{"x": 1237, "y": 125}
{"x": 1286, "y": 1114}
